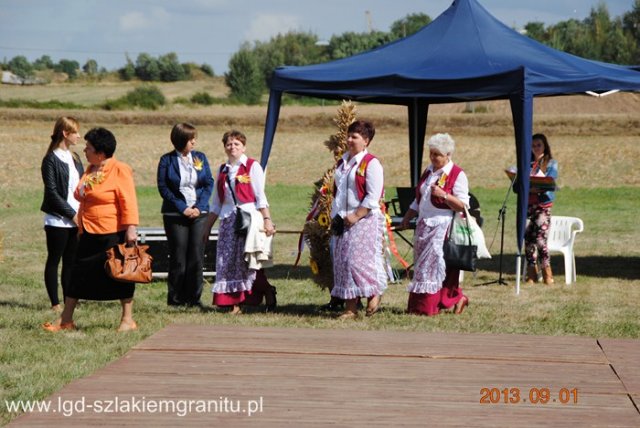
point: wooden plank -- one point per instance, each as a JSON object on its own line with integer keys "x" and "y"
{"x": 624, "y": 356}
{"x": 361, "y": 382}
{"x": 312, "y": 388}
{"x": 390, "y": 343}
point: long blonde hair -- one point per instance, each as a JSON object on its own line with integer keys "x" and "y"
{"x": 63, "y": 124}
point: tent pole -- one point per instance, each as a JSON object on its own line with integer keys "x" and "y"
{"x": 418, "y": 111}
{"x": 518, "y": 272}
{"x": 522, "y": 111}
{"x": 271, "y": 122}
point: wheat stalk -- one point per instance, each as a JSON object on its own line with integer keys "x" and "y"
{"x": 317, "y": 229}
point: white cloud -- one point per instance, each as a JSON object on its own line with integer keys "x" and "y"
{"x": 266, "y": 26}
{"x": 133, "y": 21}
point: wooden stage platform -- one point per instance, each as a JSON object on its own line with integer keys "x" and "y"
{"x": 194, "y": 375}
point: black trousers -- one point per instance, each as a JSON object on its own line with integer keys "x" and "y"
{"x": 186, "y": 258}
{"x": 62, "y": 243}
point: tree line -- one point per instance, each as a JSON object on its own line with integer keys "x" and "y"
{"x": 165, "y": 68}
{"x": 598, "y": 36}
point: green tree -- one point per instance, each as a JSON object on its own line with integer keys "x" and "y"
{"x": 90, "y": 67}
{"x": 570, "y": 36}
{"x": 170, "y": 68}
{"x": 43, "y": 63}
{"x": 20, "y": 66}
{"x": 349, "y": 44}
{"x": 599, "y": 28}
{"x": 207, "y": 69}
{"x": 70, "y": 67}
{"x": 127, "y": 72}
{"x": 619, "y": 46}
{"x": 147, "y": 68}
{"x": 244, "y": 78}
{"x": 292, "y": 48}
{"x": 631, "y": 26}
{"x": 536, "y": 31}
{"x": 409, "y": 25}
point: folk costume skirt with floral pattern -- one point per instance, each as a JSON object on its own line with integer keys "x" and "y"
{"x": 536, "y": 234}
{"x": 434, "y": 287}
{"x": 234, "y": 279}
{"x": 358, "y": 263}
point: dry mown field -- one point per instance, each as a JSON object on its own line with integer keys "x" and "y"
{"x": 593, "y": 138}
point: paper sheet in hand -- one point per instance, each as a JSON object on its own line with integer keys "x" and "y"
{"x": 542, "y": 183}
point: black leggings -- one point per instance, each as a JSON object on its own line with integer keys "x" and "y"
{"x": 62, "y": 243}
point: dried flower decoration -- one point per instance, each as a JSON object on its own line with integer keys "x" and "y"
{"x": 243, "y": 178}
{"x": 442, "y": 180}
{"x": 198, "y": 163}
{"x": 94, "y": 179}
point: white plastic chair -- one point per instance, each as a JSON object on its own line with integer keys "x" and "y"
{"x": 562, "y": 235}
{"x": 561, "y": 238}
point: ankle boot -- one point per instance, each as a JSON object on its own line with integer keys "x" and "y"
{"x": 532, "y": 274}
{"x": 547, "y": 275}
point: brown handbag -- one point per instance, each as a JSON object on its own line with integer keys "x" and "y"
{"x": 129, "y": 264}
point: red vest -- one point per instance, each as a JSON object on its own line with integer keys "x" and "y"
{"x": 361, "y": 176}
{"x": 448, "y": 187}
{"x": 243, "y": 190}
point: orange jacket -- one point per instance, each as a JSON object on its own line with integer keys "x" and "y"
{"x": 107, "y": 200}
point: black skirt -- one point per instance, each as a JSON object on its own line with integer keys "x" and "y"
{"x": 89, "y": 280}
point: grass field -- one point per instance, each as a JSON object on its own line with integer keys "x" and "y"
{"x": 599, "y": 179}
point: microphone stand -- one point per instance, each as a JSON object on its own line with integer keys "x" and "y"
{"x": 501, "y": 215}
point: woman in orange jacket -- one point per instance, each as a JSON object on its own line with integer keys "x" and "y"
{"x": 108, "y": 216}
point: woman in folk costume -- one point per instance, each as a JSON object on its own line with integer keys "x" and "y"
{"x": 442, "y": 191}
{"x": 358, "y": 224}
{"x": 243, "y": 178}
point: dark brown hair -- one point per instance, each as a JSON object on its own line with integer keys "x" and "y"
{"x": 364, "y": 128}
{"x": 181, "y": 134}
{"x": 547, "y": 156}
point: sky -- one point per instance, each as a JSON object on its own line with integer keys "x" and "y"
{"x": 210, "y": 31}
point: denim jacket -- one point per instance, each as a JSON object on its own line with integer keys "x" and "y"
{"x": 552, "y": 171}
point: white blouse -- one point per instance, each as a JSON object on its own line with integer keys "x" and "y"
{"x": 346, "y": 199}
{"x": 188, "y": 178}
{"x": 74, "y": 178}
{"x": 223, "y": 210}
{"x": 426, "y": 210}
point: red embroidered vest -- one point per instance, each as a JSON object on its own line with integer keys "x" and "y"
{"x": 448, "y": 187}
{"x": 243, "y": 190}
{"x": 361, "y": 176}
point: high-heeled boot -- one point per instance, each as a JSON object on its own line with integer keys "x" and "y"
{"x": 532, "y": 274}
{"x": 547, "y": 275}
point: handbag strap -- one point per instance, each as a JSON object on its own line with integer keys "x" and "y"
{"x": 233, "y": 194}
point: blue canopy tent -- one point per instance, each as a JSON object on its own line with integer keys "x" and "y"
{"x": 465, "y": 54}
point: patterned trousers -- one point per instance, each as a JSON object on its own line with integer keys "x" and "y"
{"x": 535, "y": 236}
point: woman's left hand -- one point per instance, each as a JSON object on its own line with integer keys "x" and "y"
{"x": 351, "y": 219}
{"x": 269, "y": 227}
{"x": 131, "y": 236}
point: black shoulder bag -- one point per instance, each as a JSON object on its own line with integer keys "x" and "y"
{"x": 456, "y": 256}
{"x": 243, "y": 218}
